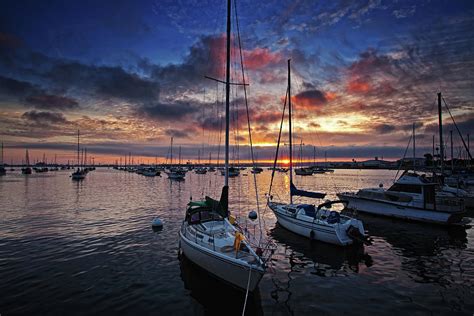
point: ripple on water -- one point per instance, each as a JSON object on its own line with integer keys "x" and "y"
{"x": 88, "y": 248}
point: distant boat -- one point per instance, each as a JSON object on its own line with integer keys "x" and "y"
{"x": 79, "y": 174}
{"x": 232, "y": 171}
{"x": 174, "y": 173}
{"x": 27, "y": 169}
{"x": 318, "y": 223}
{"x": 3, "y": 171}
{"x": 150, "y": 172}
{"x": 256, "y": 170}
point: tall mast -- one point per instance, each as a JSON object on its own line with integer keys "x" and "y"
{"x": 2, "y": 153}
{"x": 440, "y": 124}
{"x": 78, "y": 149}
{"x": 414, "y": 148}
{"x": 452, "y": 151}
{"x": 227, "y": 96}
{"x": 171, "y": 151}
{"x": 289, "y": 123}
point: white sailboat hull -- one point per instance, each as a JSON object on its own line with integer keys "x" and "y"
{"x": 396, "y": 210}
{"x": 228, "y": 270}
{"x": 335, "y": 234}
{"x": 78, "y": 176}
{"x": 175, "y": 176}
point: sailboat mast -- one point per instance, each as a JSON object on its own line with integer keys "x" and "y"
{"x": 440, "y": 124}
{"x": 78, "y": 148}
{"x": 227, "y": 95}
{"x": 171, "y": 152}
{"x": 289, "y": 123}
{"x": 452, "y": 150}
{"x": 414, "y": 146}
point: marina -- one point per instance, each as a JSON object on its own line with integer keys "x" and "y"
{"x": 92, "y": 250}
{"x": 230, "y": 157}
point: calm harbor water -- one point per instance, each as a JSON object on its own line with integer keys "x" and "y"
{"x": 88, "y": 248}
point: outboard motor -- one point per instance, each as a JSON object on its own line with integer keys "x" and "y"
{"x": 334, "y": 217}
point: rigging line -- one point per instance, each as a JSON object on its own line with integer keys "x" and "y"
{"x": 459, "y": 132}
{"x": 247, "y": 291}
{"x": 401, "y": 161}
{"x": 278, "y": 143}
{"x": 248, "y": 117}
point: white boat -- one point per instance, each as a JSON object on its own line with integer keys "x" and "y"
{"x": 207, "y": 236}
{"x": 321, "y": 223}
{"x": 200, "y": 170}
{"x": 175, "y": 175}
{"x": 411, "y": 197}
{"x": 80, "y": 173}
{"x": 150, "y": 172}
{"x": 233, "y": 172}
{"x": 303, "y": 171}
{"x": 3, "y": 170}
{"x": 447, "y": 191}
{"x": 208, "y": 239}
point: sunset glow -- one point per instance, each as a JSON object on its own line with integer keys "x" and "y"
{"x": 362, "y": 75}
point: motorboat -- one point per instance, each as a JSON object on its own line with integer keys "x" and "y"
{"x": 411, "y": 197}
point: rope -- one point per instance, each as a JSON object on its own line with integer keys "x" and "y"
{"x": 248, "y": 118}
{"x": 459, "y": 132}
{"x": 247, "y": 291}
{"x": 278, "y": 143}
{"x": 401, "y": 161}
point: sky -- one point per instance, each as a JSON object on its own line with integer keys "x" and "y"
{"x": 130, "y": 75}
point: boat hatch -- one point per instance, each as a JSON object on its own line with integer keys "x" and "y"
{"x": 309, "y": 209}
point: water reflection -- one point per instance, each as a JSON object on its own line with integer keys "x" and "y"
{"x": 426, "y": 250}
{"x": 215, "y": 296}
{"x": 326, "y": 259}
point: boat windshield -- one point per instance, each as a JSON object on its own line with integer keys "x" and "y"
{"x": 202, "y": 215}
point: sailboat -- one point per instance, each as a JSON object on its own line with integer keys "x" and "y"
{"x": 27, "y": 169}
{"x": 3, "y": 170}
{"x": 79, "y": 174}
{"x": 200, "y": 169}
{"x": 318, "y": 223}
{"x": 207, "y": 236}
{"x": 174, "y": 173}
{"x": 302, "y": 171}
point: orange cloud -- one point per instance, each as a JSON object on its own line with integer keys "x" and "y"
{"x": 330, "y": 96}
{"x": 358, "y": 86}
{"x": 259, "y": 58}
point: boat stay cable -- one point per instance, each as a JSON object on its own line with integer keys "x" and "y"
{"x": 457, "y": 129}
{"x": 248, "y": 117}
{"x": 401, "y": 161}
{"x": 278, "y": 144}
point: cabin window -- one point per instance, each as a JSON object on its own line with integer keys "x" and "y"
{"x": 408, "y": 188}
{"x": 195, "y": 218}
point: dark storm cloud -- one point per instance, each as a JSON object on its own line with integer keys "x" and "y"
{"x": 180, "y": 133}
{"x": 104, "y": 81}
{"x": 167, "y": 111}
{"x": 203, "y": 59}
{"x": 52, "y": 102}
{"x": 12, "y": 88}
{"x": 384, "y": 128}
{"x": 45, "y": 117}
